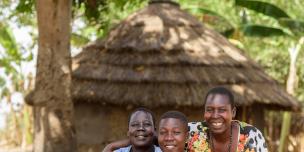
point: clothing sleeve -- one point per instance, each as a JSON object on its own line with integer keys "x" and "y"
{"x": 255, "y": 141}
{"x": 157, "y": 149}
{"x": 124, "y": 149}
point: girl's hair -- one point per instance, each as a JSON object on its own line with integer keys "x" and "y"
{"x": 177, "y": 115}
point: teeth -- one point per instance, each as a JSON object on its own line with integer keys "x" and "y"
{"x": 217, "y": 124}
{"x": 169, "y": 147}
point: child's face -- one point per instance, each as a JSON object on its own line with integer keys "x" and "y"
{"x": 172, "y": 135}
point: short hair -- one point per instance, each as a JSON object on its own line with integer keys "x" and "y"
{"x": 177, "y": 115}
{"x": 223, "y": 91}
{"x": 145, "y": 110}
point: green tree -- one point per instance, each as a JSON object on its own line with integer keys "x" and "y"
{"x": 12, "y": 57}
{"x": 295, "y": 30}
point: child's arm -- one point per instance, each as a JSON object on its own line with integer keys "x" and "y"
{"x": 116, "y": 145}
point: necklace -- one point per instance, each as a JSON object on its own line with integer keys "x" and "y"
{"x": 230, "y": 140}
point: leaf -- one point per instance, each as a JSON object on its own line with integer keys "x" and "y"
{"x": 5, "y": 92}
{"x": 25, "y": 6}
{"x": 6, "y": 38}
{"x": 94, "y": 9}
{"x": 262, "y": 31}
{"x": 263, "y": 7}
{"x": 8, "y": 68}
{"x": 79, "y": 40}
{"x": 8, "y": 42}
{"x": 215, "y": 20}
{"x": 296, "y": 26}
{"x": 228, "y": 32}
{"x": 196, "y": 10}
{"x": 29, "y": 57}
{"x": 2, "y": 82}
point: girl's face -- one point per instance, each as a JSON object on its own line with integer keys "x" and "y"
{"x": 172, "y": 135}
{"x": 141, "y": 129}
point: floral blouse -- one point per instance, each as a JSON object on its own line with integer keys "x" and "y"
{"x": 250, "y": 138}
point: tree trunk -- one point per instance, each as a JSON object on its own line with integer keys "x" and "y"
{"x": 290, "y": 87}
{"x": 53, "y": 108}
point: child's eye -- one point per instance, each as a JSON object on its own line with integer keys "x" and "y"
{"x": 162, "y": 132}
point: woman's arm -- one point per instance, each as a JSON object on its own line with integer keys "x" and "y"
{"x": 116, "y": 145}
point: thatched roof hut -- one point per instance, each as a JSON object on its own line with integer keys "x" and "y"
{"x": 162, "y": 56}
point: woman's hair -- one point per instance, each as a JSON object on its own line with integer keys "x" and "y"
{"x": 145, "y": 110}
{"x": 177, "y": 115}
{"x": 222, "y": 91}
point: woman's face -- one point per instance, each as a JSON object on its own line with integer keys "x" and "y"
{"x": 172, "y": 135}
{"x": 141, "y": 129}
{"x": 218, "y": 113}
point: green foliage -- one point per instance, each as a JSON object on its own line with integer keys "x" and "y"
{"x": 265, "y": 31}
{"x": 212, "y": 19}
{"x": 262, "y": 31}
{"x": 270, "y": 10}
{"x": 100, "y": 16}
{"x": 293, "y": 28}
{"x": 8, "y": 42}
{"x": 12, "y": 54}
{"x": 78, "y": 40}
{"x": 2, "y": 82}
{"x": 296, "y": 26}
{"x": 263, "y": 7}
{"x": 25, "y": 6}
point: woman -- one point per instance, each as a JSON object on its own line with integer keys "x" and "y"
{"x": 218, "y": 132}
{"x": 141, "y": 133}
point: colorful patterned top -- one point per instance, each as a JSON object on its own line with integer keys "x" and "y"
{"x": 250, "y": 138}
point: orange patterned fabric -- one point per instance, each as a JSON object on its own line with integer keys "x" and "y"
{"x": 250, "y": 138}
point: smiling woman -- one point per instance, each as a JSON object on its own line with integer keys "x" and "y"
{"x": 218, "y": 132}
{"x": 141, "y": 132}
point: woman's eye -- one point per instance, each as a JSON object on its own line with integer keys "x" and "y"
{"x": 176, "y": 132}
{"x": 134, "y": 125}
{"x": 209, "y": 110}
{"x": 147, "y": 124}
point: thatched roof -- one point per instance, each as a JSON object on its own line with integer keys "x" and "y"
{"x": 162, "y": 56}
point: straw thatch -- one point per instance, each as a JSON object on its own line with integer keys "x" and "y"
{"x": 162, "y": 56}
